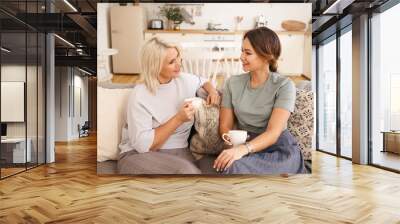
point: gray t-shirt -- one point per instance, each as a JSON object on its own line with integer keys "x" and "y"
{"x": 253, "y": 106}
{"x": 146, "y": 111}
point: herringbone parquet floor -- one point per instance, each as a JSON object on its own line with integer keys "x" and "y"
{"x": 69, "y": 191}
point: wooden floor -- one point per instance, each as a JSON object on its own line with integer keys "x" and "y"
{"x": 387, "y": 159}
{"x": 10, "y": 171}
{"x": 69, "y": 191}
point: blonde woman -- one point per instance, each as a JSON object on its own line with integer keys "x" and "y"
{"x": 155, "y": 137}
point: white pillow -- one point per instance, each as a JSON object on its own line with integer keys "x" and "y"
{"x": 111, "y": 113}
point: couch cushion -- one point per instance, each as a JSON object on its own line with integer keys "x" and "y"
{"x": 301, "y": 121}
{"x": 111, "y": 112}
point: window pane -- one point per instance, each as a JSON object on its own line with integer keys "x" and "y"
{"x": 385, "y": 86}
{"x": 327, "y": 97}
{"x": 346, "y": 94}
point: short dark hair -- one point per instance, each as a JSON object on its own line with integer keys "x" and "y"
{"x": 267, "y": 45}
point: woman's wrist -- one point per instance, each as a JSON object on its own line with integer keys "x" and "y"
{"x": 243, "y": 150}
{"x": 249, "y": 148}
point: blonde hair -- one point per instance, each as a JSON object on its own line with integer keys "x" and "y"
{"x": 152, "y": 56}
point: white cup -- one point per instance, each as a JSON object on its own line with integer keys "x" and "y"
{"x": 236, "y": 137}
{"x": 196, "y": 102}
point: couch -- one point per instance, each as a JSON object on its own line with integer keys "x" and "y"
{"x": 111, "y": 117}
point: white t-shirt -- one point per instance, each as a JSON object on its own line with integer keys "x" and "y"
{"x": 146, "y": 112}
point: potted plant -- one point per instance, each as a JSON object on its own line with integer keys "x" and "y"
{"x": 173, "y": 15}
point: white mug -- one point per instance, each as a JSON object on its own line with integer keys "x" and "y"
{"x": 236, "y": 137}
{"x": 196, "y": 102}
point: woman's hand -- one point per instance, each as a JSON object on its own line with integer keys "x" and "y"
{"x": 213, "y": 98}
{"x": 186, "y": 113}
{"x": 228, "y": 156}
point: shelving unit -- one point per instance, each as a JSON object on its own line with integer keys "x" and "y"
{"x": 190, "y": 31}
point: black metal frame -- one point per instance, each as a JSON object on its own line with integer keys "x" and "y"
{"x": 44, "y": 70}
{"x": 369, "y": 78}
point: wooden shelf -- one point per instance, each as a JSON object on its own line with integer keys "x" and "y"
{"x": 189, "y": 31}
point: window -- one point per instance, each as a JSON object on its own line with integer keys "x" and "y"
{"x": 327, "y": 97}
{"x": 346, "y": 94}
{"x": 385, "y": 89}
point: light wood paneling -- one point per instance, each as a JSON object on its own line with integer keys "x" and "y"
{"x": 69, "y": 191}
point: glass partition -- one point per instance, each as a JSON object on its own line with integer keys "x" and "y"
{"x": 22, "y": 88}
{"x": 14, "y": 153}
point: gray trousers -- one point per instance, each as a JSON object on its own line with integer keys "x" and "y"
{"x": 282, "y": 157}
{"x": 164, "y": 161}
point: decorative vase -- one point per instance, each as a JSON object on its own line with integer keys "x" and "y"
{"x": 170, "y": 25}
{"x": 176, "y": 25}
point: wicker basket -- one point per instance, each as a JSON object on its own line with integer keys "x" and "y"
{"x": 293, "y": 25}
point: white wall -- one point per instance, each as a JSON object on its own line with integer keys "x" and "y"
{"x": 80, "y": 118}
{"x": 61, "y": 103}
{"x": 17, "y": 73}
{"x": 14, "y": 73}
{"x": 67, "y": 80}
